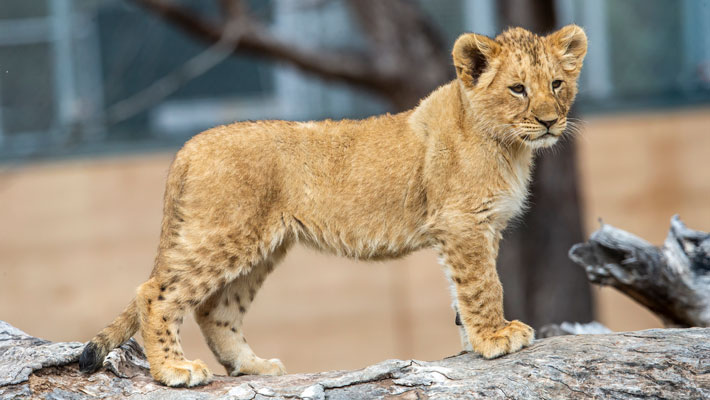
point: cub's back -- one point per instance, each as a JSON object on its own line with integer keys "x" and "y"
{"x": 350, "y": 184}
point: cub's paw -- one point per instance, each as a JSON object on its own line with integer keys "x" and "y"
{"x": 259, "y": 366}
{"x": 182, "y": 373}
{"x": 512, "y": 337}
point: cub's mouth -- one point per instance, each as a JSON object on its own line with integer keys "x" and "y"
{"x": 548, "y": 134}
{"x": 546, "y": 139}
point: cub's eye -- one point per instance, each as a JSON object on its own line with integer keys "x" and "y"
{"x": 518, "y": 89}
{"x": 556, "y": 83}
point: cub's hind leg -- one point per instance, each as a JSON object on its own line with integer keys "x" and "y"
{"x": 220, "y": 319}
{"x": 162, "y": 304}
{"x": 188, "y": 274}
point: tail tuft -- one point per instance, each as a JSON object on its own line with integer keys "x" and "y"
{"x": 120, "y": 330}
{"x": 91, "y": 359}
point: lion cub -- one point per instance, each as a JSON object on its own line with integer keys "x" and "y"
{"x": 448, "y": 174}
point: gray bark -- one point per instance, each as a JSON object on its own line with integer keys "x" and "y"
{"x": 568, "y": 328}
{"x": 673, "y": 280}
{"x": 669, "y": 363}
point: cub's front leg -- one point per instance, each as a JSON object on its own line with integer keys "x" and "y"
{"x": 470, "y": 256}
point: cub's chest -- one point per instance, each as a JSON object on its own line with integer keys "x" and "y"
{"x": 511, "y": 200}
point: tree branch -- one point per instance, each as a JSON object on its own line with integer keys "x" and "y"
{"x": 347, "y": 67}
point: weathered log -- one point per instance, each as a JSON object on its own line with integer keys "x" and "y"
{"x": 673, "y": 281}
{"x": 668, "y": 363}
{"x": 569, "y": 328}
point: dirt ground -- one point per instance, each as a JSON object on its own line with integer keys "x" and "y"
{"x": 77, "y": 237}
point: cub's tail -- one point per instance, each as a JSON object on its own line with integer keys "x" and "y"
{"x": 112, "y": 336}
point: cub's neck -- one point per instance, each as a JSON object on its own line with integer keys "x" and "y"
{"x": 446, "y": 115}
{"x": 479, "y": 167}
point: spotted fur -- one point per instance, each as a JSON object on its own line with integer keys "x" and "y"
{"x": 448, "y": 174}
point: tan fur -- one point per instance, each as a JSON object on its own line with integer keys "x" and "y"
{"x": 448, "y": 174}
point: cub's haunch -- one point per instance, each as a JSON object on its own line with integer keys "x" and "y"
{"x": 448, "y": 174}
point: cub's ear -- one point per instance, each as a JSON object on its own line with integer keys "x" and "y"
{"x": 570, "y": 43}
{"x": 472, "y": 54}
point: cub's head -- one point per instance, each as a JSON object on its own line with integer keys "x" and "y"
{"x": 520, "y": 86}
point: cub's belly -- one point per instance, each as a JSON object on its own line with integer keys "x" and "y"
{"x": 374, "y": 239}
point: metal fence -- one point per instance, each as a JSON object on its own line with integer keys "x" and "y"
{"x": 85, "y": 76}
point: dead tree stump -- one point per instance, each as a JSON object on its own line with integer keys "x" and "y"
{"x": 673, "y": 280}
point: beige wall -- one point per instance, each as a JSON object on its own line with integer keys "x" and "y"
{"x": 77, "y": 237}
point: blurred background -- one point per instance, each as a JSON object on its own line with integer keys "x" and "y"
{"x": 96, "y": 97}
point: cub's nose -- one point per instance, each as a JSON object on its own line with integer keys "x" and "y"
{"x": 547, "y": 124}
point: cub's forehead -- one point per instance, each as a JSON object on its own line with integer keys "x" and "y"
{"x": 526, "y": 49}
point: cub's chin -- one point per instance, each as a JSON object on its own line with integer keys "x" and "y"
{"x": 541, "y": 141}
